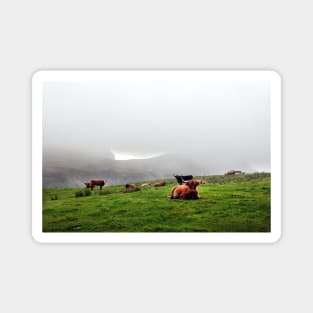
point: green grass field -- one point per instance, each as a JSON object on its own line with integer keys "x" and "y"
{"x": 228, "y": 204}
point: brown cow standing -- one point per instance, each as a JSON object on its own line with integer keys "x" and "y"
{"x": 232, "y": 172}
{"x": 95, "y": 182}
{"x": 186, "y": 192}
{"x": 160, "y": 184}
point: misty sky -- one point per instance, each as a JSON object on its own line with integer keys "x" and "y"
{"x": 207, "y": 121}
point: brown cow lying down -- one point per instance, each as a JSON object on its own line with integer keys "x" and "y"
{"x": 186, "y": 192}
{"x": 130, "y": 187}
{"x": 160, "y": 184}
{"x": 95, "y": 182}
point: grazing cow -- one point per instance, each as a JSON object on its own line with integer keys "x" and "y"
{"x": 146, "y": 185}
{"x": 201, "y": 182}
{"x": 130, "y": 187}
{"x": 95, "y": 182}
{"x": 160, "y": 184}
{"x": 180, "y": 178}
{"x": 186, "y": 192}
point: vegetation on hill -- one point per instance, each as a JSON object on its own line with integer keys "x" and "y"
{"x": 227, "y": 204}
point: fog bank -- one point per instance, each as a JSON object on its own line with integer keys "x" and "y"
{"x": 216, "y": 125}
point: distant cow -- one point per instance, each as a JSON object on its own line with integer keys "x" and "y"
{"x": 160, "y": 184}
{"x": 180, "y": 178}
{"x": 201, "y": 182}
{"x": 186, "y": 192}
{"x": 95, "y": 182}
{"x": 232, "y": 172}
{"x": 130, "y": 187}
{"x": 146, "y": 185}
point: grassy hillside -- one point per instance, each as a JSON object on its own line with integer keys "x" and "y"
{"x": 227, "y": 204}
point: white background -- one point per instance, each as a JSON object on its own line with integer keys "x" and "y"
{"x": 155, "y": 35}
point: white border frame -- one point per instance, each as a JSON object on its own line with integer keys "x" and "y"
{"x": 37, "y": 97}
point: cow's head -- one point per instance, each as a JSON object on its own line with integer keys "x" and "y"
{"x": 192, "y": 184}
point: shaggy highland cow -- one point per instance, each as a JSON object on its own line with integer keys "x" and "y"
{"x": 130, "y": 187}
{"x": 95, "y": 182}
{"x": 160, "y": 184}
{"x": 186, "y": 192}
{"x": 180, "y": 178}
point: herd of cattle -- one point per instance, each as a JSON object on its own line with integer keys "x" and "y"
{"x": 186, "y": 190}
